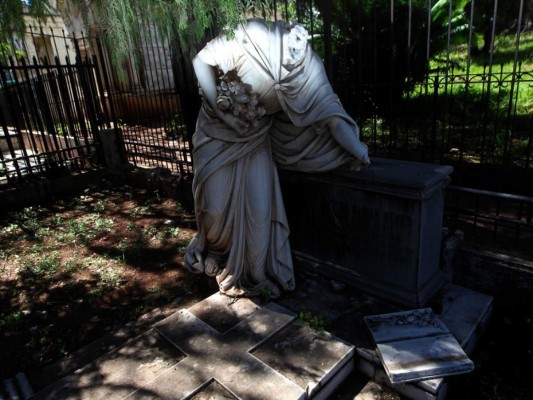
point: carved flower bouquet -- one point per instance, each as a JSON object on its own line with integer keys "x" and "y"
{"x": 235, "y": 96}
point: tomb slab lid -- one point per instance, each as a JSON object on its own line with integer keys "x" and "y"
{"x": 397, "y": 177}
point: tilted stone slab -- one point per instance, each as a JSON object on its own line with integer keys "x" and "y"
{"x": 415, "y": 345}
{"x": 465, "y": 313}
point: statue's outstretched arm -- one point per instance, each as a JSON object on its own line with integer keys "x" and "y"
{"x": 348, "y": 138}
{"x": 205, "y": 74}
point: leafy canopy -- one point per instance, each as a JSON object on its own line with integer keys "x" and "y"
{"x": 12, "y": 16}
{"x": 186, "y": 20}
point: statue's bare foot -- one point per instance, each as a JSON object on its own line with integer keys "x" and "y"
{"x": 193, "y": 265}
{"x": 211, "y": 267}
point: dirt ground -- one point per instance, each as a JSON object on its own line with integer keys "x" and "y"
{"x": 77, "y": 269}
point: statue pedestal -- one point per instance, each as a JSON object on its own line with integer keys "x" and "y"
{"x": 378, "y": 229}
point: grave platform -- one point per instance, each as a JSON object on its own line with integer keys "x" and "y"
{"x": 267, "y": 341}
{"x": 237, "y": 348}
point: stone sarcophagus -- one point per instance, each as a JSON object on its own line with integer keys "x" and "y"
{"x": 378, "y": 229}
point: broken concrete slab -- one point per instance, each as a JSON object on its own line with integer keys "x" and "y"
{"x": 424, "y": 358}
{"x": 405, "y": 325}
{"x": 415, "y": 345}
{"x": 213, "y": 390}
{"x": 464, "y": 312}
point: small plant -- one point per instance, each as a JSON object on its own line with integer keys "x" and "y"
{"x": 155, "y": 289}
{"x": 74, "y": 229}
{"x": 11, "y": 228}
{"x": 47, "y": 265}
{"x": 181, "y": 250}
{"x": 265, "y": 294}
{"x": 102, "y": 224}
{"x": 27, "y": 220}
{"x": 15, "y": 320}
{"x": 174, "y": 127}
{"x": 136, "y": 211}
{"x": 42, "y": 233}
{"x": 151, "y": 233}
{"x": 71, "y": 264}
{"x": 108, "y": 274}
{"x": 56, "y": 221}
{"x": 172, "y": 232}
{"x": 99, "y": 206}
{"x": 314, "y": 321}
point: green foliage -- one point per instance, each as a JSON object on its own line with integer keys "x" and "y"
{"x": 15, "y": 320}
{"x": 314, "y": 321}
{"x": 172, "y": 232}
{"x": 12, "y": 16}
{"x": 7, "y": 50}
{"x": 449, "y": 17}
{"x": 185, "y": 20}
{"x": 386, "y": 54}
{"x": 265, "y": 294}
{"x": 37, "y": 267}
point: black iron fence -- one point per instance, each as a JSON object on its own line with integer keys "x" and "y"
{"x": 50, "y": 110}
{"x": 57, "y": 92}
{"x": 442, "y": 82}
{"x": 147, "y": 104}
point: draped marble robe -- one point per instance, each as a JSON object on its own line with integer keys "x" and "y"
{"x": 242, "y": 226}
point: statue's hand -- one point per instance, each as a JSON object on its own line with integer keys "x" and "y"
{"x": 363, "y": 154}
{"x": 235, "y": 123}
{"x": 347, "y": 136}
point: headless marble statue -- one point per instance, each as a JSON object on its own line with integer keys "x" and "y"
{"x": 267, "y": 102}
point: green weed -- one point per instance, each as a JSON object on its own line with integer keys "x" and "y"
{"x": 37, "y": 267}
{"x": 172, "y": 232}
{"x": 100, "y": 206}
{"x": 15, "y": 320}
{"x": 136, "y": 211}
{"x": 152, "y": 233}
{"x": 265, "y": 294}
{"x": 9, "y": 229}
{"x": 155, "y": 289}
{"x": 314, "y": 321}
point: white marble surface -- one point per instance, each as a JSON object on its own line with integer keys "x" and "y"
{"x": 415, "y": 345}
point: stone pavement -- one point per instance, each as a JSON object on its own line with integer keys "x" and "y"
{"x": 222, "y": 345}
